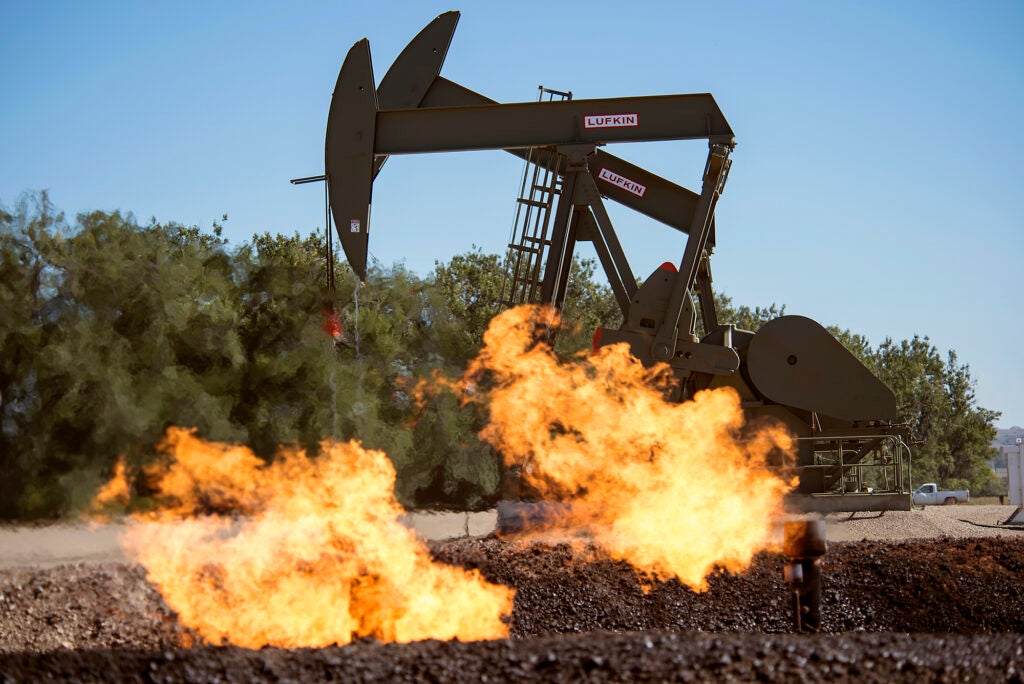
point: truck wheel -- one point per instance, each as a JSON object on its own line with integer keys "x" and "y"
{"x": 950, "y": 500}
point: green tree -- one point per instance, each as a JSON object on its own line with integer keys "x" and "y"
{"x": 936, "y": 398}
{"x": 134, "y": 329}
{"x": 589, "y": 304}
{"x": 470, "y": 285}
{"x": 112, "y": 331}
{"x": 26, "y": 321}
{"x": 287, "y": 387}
{"x": 858, "y": 345}
{"x": 743, "y": 317}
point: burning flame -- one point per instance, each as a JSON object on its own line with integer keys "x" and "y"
{"x": 311, "y": 552}
{"x": 300, "y": 552}
{"x": 116, "y": 492}
{"x": 673, "y": 488}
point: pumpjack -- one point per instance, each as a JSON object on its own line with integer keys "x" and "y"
{"x": 851, "y": 453}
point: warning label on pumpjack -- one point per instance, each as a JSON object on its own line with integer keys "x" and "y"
{"x": 610, "y": 120}
{"x": 622, "y": 182}
{"x": 353, "y": 226}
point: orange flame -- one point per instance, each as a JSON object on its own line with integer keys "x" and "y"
{"x": 320, "y": 556}
{"x": 115, "y": 492}
{"x": 310, "y": 552}
{"x": 670, "y": 487}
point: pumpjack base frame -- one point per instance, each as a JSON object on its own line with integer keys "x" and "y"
{"x": 850, "y": 503}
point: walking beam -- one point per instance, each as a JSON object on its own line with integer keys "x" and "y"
{"x": 619, "y": 180}
{"x": 540, "y": 124}
{"x": 358, "y": 130}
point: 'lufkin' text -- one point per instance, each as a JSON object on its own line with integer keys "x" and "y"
{"x": 622, "y": 182}
{"x": 610, "y": 120}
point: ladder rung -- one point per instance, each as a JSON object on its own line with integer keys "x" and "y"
{"x": 521, "y": 294}
{"x": 547, "y": 188}
{"x": 534, "y": 203}
{"x": 524, "y": 248}
{"x": 536, "y": 240}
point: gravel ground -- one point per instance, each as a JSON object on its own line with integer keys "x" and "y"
{"x": 596, "y": 657}
{"x": 43, "y": 546}
{"x": 923, "y": 523}
{"x": 942, "y": 609}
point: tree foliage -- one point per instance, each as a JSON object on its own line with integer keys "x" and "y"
{"x": 743, "y": 316}
{"x": 471, "y": 285}
{"x": 935, "y": 396}
{"x": 111, "y": 331}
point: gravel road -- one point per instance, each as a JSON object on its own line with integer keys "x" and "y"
{"x": 959, "y": 522}
{"x": 44, "y": 546}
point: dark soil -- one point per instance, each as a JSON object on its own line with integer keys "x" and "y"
{"x": 934, "y": 585}
{"x": 929, "y": 610}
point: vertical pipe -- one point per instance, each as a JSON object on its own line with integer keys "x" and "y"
{"x": 330, "y": 243}
{"x": 804, "y": 541}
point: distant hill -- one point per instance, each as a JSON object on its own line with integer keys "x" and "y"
{"x": 1008, "y": 436}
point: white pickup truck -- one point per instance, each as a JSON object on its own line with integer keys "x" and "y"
{"x": 929, "y": 494}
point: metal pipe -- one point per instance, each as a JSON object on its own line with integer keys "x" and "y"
{"x": 804, "y": 542}
{"x": 307, "y": 179}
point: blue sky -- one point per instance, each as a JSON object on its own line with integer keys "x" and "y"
{"x": 876, "y": 183}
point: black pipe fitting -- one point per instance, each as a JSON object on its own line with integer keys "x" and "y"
{"x": 804, "y": 542}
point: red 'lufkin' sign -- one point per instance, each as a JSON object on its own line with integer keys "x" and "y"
{"x": 610, "y": 120}
{"x": 623, "y": 182}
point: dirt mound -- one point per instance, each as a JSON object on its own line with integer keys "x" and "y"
{"x": 934, "y": 585}
{"x": 577, "y": 614}
{"x": 82, "y": 606}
